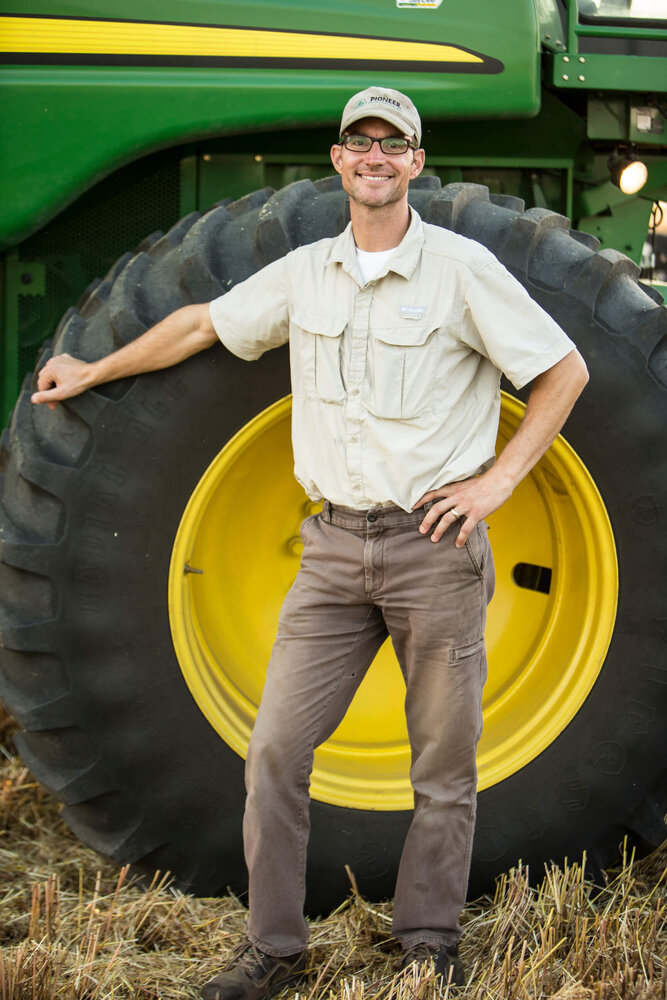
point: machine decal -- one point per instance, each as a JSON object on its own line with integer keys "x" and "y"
{"x": 92, "y": 41}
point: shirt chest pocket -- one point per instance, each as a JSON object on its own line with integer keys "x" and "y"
{"x": 402, "y": 366}
{"x": 315, "y": 355}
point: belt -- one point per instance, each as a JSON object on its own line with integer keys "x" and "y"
{"x": 386, "y": 516}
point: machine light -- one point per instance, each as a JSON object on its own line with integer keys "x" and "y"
{"x": 627, "y": 172}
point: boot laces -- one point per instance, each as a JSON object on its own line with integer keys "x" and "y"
{"x": 249, "y": 957}
{"x": 420, "y": 952}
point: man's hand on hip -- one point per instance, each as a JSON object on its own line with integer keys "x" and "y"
{"x": 473, "y": 499}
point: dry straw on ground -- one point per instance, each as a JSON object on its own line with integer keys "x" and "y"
{"x": 73, "y": 926}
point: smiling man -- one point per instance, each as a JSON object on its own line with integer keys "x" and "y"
{"x": 398, "y": 334}
{"x": 377, "y": 176}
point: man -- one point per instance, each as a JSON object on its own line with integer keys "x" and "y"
{"x": 398, "y": 333}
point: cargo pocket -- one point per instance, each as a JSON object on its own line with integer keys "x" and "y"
{"x": 401, "y": 371}
{"x": 463, "y": 653}
{"x": 315, "y": 344}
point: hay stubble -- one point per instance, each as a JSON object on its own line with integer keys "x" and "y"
{"x": 74, "y": 927}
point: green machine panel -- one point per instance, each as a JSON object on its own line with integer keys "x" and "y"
{"x": 102, "y": 90}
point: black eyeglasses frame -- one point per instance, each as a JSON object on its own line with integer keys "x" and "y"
{"x": 411, "y": 143}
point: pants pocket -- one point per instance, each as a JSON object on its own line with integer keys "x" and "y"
{"x": 477, "y": 548}
{"x": 463, "y": 653}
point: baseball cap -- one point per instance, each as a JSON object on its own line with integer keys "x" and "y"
{"x": 381, "y": 102}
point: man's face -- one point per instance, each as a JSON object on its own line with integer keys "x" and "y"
{"x": 375, "y": 178}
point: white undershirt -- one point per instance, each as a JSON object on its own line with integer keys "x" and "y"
{"x": 371, "y": 262}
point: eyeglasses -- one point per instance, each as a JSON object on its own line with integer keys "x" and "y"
{"x": 394, "y": 145}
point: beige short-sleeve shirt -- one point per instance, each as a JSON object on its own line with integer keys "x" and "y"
{"x": 396, "y": 382}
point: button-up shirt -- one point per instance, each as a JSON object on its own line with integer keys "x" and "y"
{"x": 396, "y": 381}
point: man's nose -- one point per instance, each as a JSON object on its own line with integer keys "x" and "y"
{"x": 375, "y": 154}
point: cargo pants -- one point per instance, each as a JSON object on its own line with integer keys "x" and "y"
{"x": 363, "y": 575}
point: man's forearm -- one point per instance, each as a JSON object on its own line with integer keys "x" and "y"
{"x": 551, "y": 399}
{"x": 173, "y": 339}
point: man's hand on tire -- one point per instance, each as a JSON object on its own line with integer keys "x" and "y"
{"x": 61, "y": 377}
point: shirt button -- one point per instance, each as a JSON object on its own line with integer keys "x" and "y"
{"x": 371, "y": 516}
{"x": 357, "y": 486}
{"x": 355, "y": 392}
{"x": 354, "y": 440}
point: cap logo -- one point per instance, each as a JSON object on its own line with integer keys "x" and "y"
{"x": 385, "y": 100}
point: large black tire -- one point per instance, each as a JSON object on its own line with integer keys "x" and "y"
{"x": 93, "y": 492}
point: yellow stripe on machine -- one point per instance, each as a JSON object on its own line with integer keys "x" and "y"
{"x": 53, "y": 35}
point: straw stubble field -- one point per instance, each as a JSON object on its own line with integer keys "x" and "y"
{"x": 73, "y": 926}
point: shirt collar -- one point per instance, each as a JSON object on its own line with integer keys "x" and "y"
{"x": 403, "y": 261}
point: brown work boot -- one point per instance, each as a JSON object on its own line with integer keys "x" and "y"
{"x": 446, "y": 961}
{"x": 253, "y": 975}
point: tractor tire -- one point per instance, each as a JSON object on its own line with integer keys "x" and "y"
{"x": 93, "y": 494}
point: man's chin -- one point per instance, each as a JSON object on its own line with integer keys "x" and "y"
{"x": 375, "y": 198}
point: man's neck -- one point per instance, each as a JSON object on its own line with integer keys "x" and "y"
{"x": 379, "y": 228}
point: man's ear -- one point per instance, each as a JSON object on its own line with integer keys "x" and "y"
{"x": 336, "y": 158}
{"x": 417, "y": 163}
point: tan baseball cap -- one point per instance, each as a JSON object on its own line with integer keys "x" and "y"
{"x": 389, "y": 105}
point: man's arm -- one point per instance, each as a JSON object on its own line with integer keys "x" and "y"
{"x": 173, "y": 339}
{"x": 552, "y": 396}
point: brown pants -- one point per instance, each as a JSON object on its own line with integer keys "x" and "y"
{"x": 363, "y": 575}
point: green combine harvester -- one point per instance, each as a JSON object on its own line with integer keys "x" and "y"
{"x": 155, "y": 154}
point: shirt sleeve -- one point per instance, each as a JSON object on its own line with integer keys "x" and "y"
{"x": 252, "y": 317}
{"x": 502, "y": 322}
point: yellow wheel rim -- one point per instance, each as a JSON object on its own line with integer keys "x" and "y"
{"x": 550, "y": 622}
